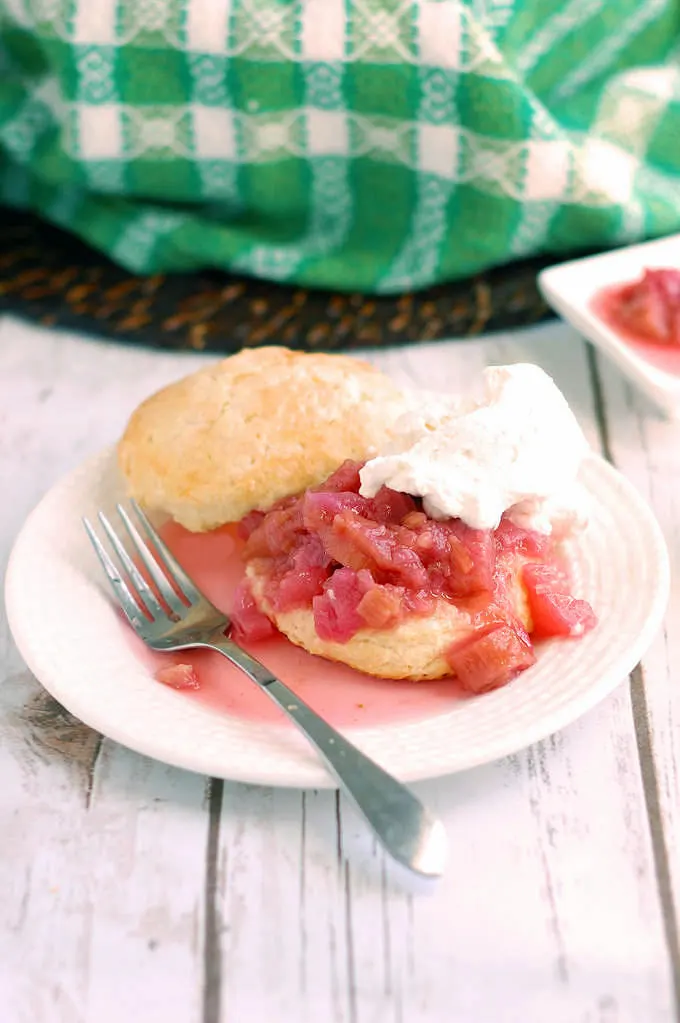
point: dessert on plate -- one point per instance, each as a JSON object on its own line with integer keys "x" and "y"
{"x": 410, "y": 536}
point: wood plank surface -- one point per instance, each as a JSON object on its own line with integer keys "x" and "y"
{"x": 132, "y": 891}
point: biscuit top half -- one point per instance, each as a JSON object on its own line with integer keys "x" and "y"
{"x": 245, "y": 432}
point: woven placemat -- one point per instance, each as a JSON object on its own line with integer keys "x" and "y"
{"x": 49, "y": 277}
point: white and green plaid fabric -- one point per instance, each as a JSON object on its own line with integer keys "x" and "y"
{"x": 379, "y": 145}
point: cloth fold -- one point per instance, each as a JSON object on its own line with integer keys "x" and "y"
{"x": 381, "y": 146}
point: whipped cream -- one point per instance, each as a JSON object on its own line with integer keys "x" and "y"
{"x": 518, "y": 450}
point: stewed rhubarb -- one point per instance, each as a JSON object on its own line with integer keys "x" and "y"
{"x": 359, "y": 563}
{"x": 646, "y": 310}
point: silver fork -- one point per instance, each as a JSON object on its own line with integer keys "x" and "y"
{"x": 184, "y": 618}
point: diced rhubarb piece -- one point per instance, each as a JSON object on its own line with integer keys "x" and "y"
{"x": 283, "y": 527}
{"x": 373, "y": 539}
{"x": 554, "y": 612}
{"x": 648, "y": 308}
{"x": 407, "y": 569}
{"x": 462, "y": 561}
{"x": 341, "y": 549}
{"x": 414, "y": 520}
{"x": 247, "y": 621}
{"x": 319, "y": 508}
{"x": 505, "y": 589}
{"x": 419, "y": 602}
{"x": 360, "y": 543}
{"x": 336, "y": 615}
{"x": 345, "y": 543}
{"x": 344, "y": 478}
{"x": 514, "y": 538}
{"x": 391, "y": 506}
{"x": 256, "y": 545}
{"x": 249, "y": 523}
{"x": 459, "y": 560}
{"x": 480, "y": 547}
{"x": 560, "y": 614}
{"x": 667, "y": 279}
{"x": 178, "y": 676}
{"x": 644, "y": 311}
{"x": 310, "y": 553}
{"x": 297, "y": 588}
{"x": 278, "y": 531}
{"x": 490, "y": 659}
{"x": 382, "y": 607}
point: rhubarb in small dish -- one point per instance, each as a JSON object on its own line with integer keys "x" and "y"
{"x": 645, "y": 314}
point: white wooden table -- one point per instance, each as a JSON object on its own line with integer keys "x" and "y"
{"x": 131, "y": 892}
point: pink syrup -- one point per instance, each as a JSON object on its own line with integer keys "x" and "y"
{"x": 344, "y": 697}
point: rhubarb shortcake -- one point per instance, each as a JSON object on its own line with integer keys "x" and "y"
{"x": 408, "y": 539}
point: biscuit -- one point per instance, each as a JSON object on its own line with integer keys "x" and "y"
{"x": 251, "y": 429}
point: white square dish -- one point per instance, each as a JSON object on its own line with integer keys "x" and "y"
{"x": 570, "y": 289}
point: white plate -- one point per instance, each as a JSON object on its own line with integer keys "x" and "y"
{"x": 570, "y": 288}
{"x": 71, "y": 638}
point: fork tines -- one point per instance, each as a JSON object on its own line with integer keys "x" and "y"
{"x": 139, "y": 600}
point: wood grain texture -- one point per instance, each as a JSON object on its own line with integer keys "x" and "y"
{"x": 646, "y": 447}
{"x": 102, "y": 873}
{"x": 132, "y": 891}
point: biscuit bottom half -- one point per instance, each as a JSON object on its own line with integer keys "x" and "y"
{"x": 414, "y": 649}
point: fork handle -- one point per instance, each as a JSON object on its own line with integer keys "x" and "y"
{"x": 399, "y": 820}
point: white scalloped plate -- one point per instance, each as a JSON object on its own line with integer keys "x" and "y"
{"x": 70, "y": 636}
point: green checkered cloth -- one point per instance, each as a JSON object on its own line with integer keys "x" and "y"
{"x": 347, "y": 144}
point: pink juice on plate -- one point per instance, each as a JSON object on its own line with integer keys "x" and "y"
{"x": 344, "y": 697}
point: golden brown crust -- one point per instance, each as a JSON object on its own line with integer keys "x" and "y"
{"x": 251, "y": 429}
